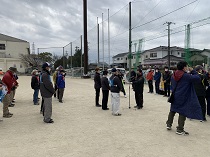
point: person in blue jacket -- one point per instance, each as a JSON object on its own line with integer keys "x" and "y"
{"x": 157, "y": 77}
{"x": 61, "y": 84}
{"x": 185, "y": 100}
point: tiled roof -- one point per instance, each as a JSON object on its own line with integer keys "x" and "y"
{"x": 120, "y": 55}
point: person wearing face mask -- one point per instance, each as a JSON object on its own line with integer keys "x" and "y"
{"x": 35, "y": 86}
{"x": 157, "y": 78}
{"x": 61, "y": 85}
{"x": 150, "y": 80}
{"x": 8, "y": 80}
{"x": 138, "y": 87}
{"x": 167, "y": 81}
{"x": 200, "y": 89}
{"x": 47, "y": 91}
{"x": 185, "y": 100}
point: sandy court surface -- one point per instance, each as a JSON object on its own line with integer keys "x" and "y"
{"x": 83, "y": 130}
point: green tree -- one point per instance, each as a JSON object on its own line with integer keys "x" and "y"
{"x": 46, "y": 57}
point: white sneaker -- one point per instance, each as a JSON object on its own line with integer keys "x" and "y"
{"x": 125, "y": 96}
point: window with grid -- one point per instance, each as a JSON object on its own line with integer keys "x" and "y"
{"x": 153, "y": 55}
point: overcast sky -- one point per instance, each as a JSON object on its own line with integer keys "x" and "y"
{"x": 53, "y": 23}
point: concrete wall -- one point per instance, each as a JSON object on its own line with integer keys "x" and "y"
{"x": 6, "y": 63}
{"x": 10, "y": 56}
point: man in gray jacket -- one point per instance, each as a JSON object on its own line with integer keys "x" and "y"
{"x": 47, "y": 91}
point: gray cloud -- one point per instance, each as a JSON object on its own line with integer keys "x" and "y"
{"x": 56, "y": 23}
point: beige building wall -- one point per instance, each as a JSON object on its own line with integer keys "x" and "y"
{"x": 10, "y": 57}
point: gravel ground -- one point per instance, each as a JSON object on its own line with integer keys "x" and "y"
{"x": 83, "y": 130}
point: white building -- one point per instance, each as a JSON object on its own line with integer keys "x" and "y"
{"x": 10, "y": 50}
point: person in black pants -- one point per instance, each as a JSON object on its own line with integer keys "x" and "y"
{"x": 97, "y": 85}
{"x": 105, "y": 90}
{"x": 157, "y": 77}
{"x": 200, "y": 89}
{"x": 167, "y": 81}
{"x": 120, "y": 76}
{"x": 138, "y": 85}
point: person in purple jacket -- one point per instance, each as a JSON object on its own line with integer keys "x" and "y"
{"x": 61, "y": 84}
{"x": 185, "y": 99}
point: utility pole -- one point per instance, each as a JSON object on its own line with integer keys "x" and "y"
{"x": 63, "y": 59}
{"x": 130, "y": 46}
{"x": 169, "y": 48}
{"x": 85, "y": 37}
{"x": 108, "y": 37}
{"x": 98, "y": 39}
{"x": 81, "y": 54}
{"x": 103, "y": 37}
{"x": 71, "y": 55}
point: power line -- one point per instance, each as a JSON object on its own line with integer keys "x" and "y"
{"x": 165, "y": 14}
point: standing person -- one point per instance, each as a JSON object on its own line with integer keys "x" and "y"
{"x": 120, "y": 76}
{"x": 61, "y": 85}
{"x": 105, "y": 90}
{"x": 150, "y": 80}
{"x": 200, "y": 89}
{"x": 167, "y": 81}
{"x": 138, "y": 89}
{"x": 47, "y": 91}
{"x": 157, "y": 77}
{"x": 35, "y": 86}
{"x": 115, "y": 87}
{"x": 8, "y": 80}
{"x": 208, "y": 93}
{"x": 55, "y": 81}
{"x": 13, "y": 90}
{"x": 185, "y": 100}
{"x": 97, "y": 86}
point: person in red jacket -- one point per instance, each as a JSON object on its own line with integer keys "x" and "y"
{"x": 9, "y": 80}
{"x": 150, "y": 80}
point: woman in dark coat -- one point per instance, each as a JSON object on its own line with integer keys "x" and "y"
{"x": 185, "y": 100}
{"x": 97, "y": 86}
{"x": 138, "y": 87}
{"x": 208, "y": 93}
{"x": 35, "y": 86}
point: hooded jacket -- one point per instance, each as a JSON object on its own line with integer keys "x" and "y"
{"x": 185, "y": 100}
{"x": 46, "y": 86}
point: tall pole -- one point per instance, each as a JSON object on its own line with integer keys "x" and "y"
{"x": 103, "y": 37}
{"x": 108, "y": 38}
{"x": 85, "y": 37}
{"x": 71, "y": 55}
{"x": 98, "y": 39}
{"x": 130, "y": 42}
{"x": 63, "y": 59}
{"x": 81, "y": 53}
{"x": 169, "y": 48}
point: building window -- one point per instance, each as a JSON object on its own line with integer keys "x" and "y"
{"x": 2, "y": 46}
{"x": 126, "y": 58}
{"x": 21, "y": 65}
{"x": 118, "y": 59}
{"x": 183, "y": 55}
{"x": 153, "y": 55}
{"x": 121, "y": 58}
{"x": 14, "y": 65}
{"x": 146, "y": 56}
{"x": 178, "y": 53}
